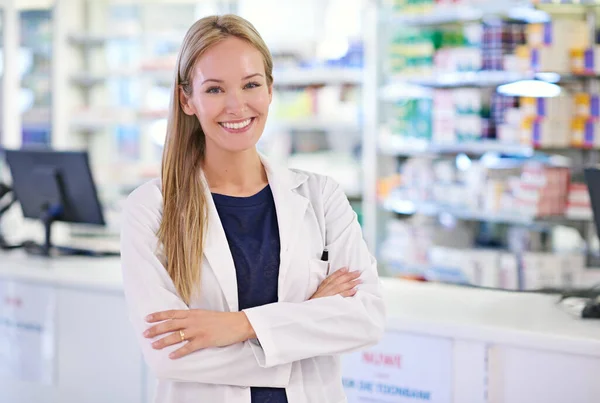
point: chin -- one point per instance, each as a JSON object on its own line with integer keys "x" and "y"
{"x": 240, "y": 147}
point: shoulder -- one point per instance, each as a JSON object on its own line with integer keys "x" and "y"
{"x": 317, "y": 185}
{"x": 148, "y": 194}
{"x": 145, "y": 201}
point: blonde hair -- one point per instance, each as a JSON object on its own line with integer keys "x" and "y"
{"x": 184, "y": 220}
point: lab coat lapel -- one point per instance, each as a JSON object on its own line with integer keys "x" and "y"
{"x": 218, "y": 254}
{"x": 291, "y": 208}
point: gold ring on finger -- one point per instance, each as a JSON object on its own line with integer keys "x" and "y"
{"x": 182, "y": 334}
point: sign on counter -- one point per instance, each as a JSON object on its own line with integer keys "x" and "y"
{"x": 27, "y": 340}
{"x": 401, "y": 368}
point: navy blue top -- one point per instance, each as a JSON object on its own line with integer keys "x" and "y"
{"x": 250, "y": 225}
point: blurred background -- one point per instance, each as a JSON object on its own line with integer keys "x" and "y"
{"x": 464, "y": 133}
{"x": 459, "y": 130}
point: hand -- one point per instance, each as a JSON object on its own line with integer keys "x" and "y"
{"x": 341, "y": 282}
{"x": 201, "y": 329}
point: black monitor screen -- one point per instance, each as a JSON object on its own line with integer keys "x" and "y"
{"x": 43, "y": 179}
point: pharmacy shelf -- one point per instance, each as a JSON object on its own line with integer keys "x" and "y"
{"x": 318, "y": 76}
{"x": 402, "y": 89}
{"x": 315, "y": 124}
{"x": 391, "y": 146}
{"x": 92, "y": 123}
{"x": 456, "y": 14}
{"x": 491, "y": 78}
{"x": 408, "y": 207}
{"x": 90, "y": 80}
{"x": 300, "y": 125}
{"x": 399, "y": 88}
{"x": 285, "y": 78}
{"x": 91, "y": 40}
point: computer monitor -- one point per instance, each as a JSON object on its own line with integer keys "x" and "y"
{"x": 592, "y": 179}
{"x": 54, "y": 186}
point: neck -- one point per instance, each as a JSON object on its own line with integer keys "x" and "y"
{"x": 234, "y": 174}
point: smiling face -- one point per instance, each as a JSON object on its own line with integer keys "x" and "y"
{"x": 230, "y": 95}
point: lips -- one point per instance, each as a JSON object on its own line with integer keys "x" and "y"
{"x": 239, "y": 125}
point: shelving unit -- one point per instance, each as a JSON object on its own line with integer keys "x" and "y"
{"x": 391, "y": 146}
{"x": 386, "y": 149}
{"x": 408, "y": 207}
{"x": 309, "y": 124}
{"x": 120, "y": 62}
{"x": 431, "y": 15}
{"x": 319, "y": 76}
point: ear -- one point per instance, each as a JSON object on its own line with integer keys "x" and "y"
{"x": 186, "y": 105}
{"x": 270, "y": 94}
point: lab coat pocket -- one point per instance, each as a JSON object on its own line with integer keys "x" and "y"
{"x": 317, "y": 272}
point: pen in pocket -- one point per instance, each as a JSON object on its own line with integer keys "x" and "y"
{"x": 325, "y": 255}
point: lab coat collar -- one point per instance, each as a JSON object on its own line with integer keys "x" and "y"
{"x": 290, "y": 207}
{"x": 282, "y": 175}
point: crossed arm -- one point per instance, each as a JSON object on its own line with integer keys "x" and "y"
{"x": 220, "y": 347}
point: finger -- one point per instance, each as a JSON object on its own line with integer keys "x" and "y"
{"x": 346, "y": 286}
{"x": 353, "y": 284}
{"x": 353, "y": 275}
{"x": 187, "y": 348}
{"x": 165, "y": 315}
{"x": 349, "y": 293}
{"x": 343, "y": 278}
{"x": 173, "y": 338}
{"x": 335, "y": 275}
{"x": 339, "y": 272}
{"x": 164, "y": 327}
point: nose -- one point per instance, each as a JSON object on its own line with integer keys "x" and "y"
{"x": 235, "y": 103}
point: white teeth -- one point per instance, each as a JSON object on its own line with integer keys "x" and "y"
{"x": 236, "y": 126}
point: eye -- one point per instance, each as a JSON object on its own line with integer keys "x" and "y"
{"x": 213, "y": 90}
{"x": 251, "y": 85}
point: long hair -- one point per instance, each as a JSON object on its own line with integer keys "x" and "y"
{"x": 184, "y": 220}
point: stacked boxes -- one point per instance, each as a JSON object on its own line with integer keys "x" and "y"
{"x": 468, "y": 106}
{"x": 546, "y": 121}
{"x": 527, "y": 190}
{"x": 585, "y": 61}
{"x": 500, "y": 38}
{"x": 578, "y": 201}
{"x": 457, "y": 115}
{"x": 458, "y": 49}
{"x": 457, "y": 59}
{"x": 411, "y": 52}
{"x": 569, "y": 120}
{"x": 412, "y": 119}
{"x": 585, "y": 130}
{"x": 444, "y": 119}
{"x": 491, "y": 268}
{"x": 550, "y": 45}
{"x": 543, "y": 190}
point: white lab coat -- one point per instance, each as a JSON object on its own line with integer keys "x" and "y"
{"x": 299, "y": 341}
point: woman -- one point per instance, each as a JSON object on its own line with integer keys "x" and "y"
{"x": 241, "y": 277}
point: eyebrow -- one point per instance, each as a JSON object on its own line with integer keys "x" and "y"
{"x": 220, "y": 81}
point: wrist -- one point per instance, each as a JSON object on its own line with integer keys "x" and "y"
{"x": 246, "y": 327}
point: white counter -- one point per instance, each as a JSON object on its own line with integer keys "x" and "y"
{"x": 476, "y": 331}
{"x": 520, "y": 319}
{"x": 444, "y": 310}
{"x": 82, "y": 272}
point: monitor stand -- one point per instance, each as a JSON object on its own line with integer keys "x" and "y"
{"x": 47, "y": 249}
{"x": 49, "y": 215}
